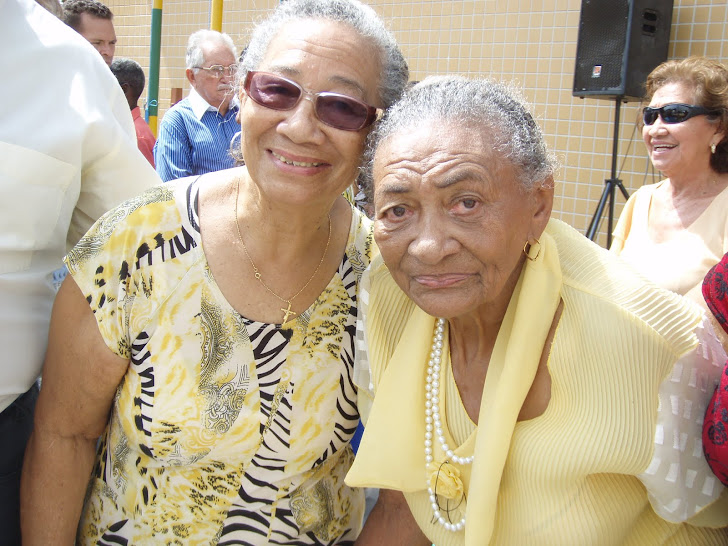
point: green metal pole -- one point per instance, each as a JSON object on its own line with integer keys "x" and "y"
{"x": 154, "y": 56}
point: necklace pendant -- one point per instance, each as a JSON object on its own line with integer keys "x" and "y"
{"x": 287, "y": 312}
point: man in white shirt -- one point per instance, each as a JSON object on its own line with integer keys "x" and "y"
{"x": 68, "y": 154}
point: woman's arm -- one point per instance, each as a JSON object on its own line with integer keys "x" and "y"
{"x": 80, "y": 377}
{"x": 391, "y": 523}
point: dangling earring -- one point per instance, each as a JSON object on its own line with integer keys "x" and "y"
{"x": 528, "y": 249}
{"x": 712, "y": 148}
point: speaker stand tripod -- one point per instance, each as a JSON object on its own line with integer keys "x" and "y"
{"x": 610, "y": 186}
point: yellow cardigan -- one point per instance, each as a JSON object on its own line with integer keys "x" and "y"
{"x": 577, "y": 473}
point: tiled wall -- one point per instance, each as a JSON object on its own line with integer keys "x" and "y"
{"x": 529, "y": 41}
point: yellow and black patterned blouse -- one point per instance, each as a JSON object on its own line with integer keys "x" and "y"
{"x": 224, "y": 430}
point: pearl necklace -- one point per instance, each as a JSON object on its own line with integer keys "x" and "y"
{"x": 433, "y": 423}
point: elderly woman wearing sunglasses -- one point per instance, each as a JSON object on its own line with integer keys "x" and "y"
{"x": 207, "y": 330}
{"x": 676, "y": 230}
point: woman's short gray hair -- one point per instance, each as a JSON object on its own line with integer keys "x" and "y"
{"x": 363, "y": 19}
{"x": 485, "y": 105}
{"x": 195, "y": 57}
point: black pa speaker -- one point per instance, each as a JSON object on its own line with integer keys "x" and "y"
{"x": 620, "y": 42}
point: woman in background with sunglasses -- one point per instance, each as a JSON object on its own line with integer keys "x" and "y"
{"x": 207, "y": 329}
{"x": 676, "y": 230}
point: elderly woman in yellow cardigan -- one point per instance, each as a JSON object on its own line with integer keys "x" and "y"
{"x": 525, "y": 386}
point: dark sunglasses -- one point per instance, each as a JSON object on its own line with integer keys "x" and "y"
{"x": 333, "y": 109}
{"x": 675, "y": 113}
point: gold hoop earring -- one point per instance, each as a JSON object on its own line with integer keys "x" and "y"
{"x": 528, "y": 249}
{"x": 712, "y": 148}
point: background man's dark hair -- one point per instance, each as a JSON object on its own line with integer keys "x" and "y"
{"x": 72, "y": 10}
{"x": 130, "y": 73}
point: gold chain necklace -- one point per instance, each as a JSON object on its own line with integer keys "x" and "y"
{"x": 287, "y": 311}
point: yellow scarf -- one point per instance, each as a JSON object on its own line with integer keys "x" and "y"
{"x": 391, "y": 454}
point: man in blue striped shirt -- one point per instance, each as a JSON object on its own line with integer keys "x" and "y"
{"x": 195, "y": 134}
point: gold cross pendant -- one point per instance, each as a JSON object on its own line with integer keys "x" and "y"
{"x": 287, "y": 312}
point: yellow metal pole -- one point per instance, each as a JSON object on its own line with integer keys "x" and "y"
{"x": 216, "y": 16}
